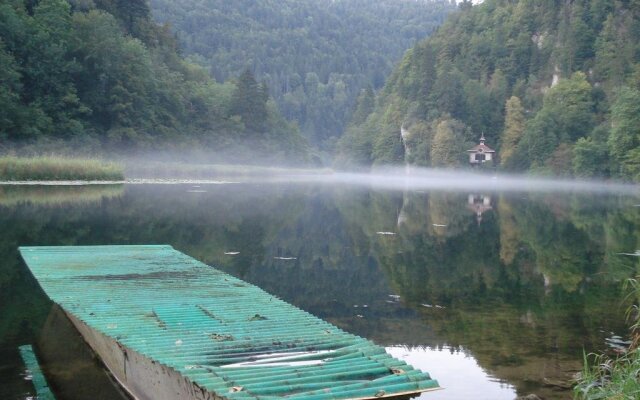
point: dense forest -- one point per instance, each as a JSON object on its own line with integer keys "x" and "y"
{"x": 554, "y": 87}
{"x": 102, "y": 74}
{"x": 315, "y": 56}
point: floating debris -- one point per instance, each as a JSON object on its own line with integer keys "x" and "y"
{"x": 386, "y": 233}
{"x": 360, "y": 316}
{"x": 636, "y": 254}
{"x": 285, "y": 258}
{"x": 432, "y": 306}
{"x": 439, "y": 225}
{"x": 395, "y": 297}
{"x": 196, "y": 191}
{"x": 617, "y": 344}
{"x": 231, "y": 253}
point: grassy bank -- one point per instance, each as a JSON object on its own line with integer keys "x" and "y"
{"x": 51, "y": 168}
{"x": 610, "y": 378}
{"x": 606, "y": 377}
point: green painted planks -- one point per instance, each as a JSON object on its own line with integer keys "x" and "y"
{"x": 37, "y": 377}
{"x": 222, "y": 334}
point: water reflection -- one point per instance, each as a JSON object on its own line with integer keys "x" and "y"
{"x": 523, "y": 293}
{"x": 479, "y": 204}
{"x": 57, "y": 195}
{"x": 451, "y": 366}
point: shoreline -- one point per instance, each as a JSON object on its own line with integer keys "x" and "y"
{"x": 135, "y": 181}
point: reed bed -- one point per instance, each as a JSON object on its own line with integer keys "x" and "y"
{"x": 52, "y": 168}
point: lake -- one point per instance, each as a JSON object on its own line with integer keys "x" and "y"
{"x": 496, "y": 293}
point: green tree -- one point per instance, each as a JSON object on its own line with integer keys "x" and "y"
{"x": 539, "y": 140}
{"x": 610, "y": 62}
{"x": 387, "y": 147}
{"x": 364, "y": 106}
{"x": 249, "y": 102}
{"x": 448, "y": 92}
{"x": 572, "y": 104}
{"x": 514, "y": 125}
{"x": 566, "y": 115}
{"x": 448, "y": 147}
{"x": 624, "y": 140}
{"x": 48, "y": 70}
{"x": 590, "y": 158}
{"x": 10, "y": 87}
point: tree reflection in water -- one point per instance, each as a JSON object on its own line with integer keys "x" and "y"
{"x": 522, "y": 293}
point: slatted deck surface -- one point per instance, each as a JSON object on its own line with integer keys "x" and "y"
{"x": 221, "y": 333}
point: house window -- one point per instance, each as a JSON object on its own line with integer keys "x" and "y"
{"x": 480, "y": 157}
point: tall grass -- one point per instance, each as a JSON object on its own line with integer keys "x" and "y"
{"x": 605, "y": 377}
{"x": 51, "y": 168}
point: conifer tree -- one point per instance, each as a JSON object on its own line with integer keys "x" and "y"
{"x": 249, "y": 102}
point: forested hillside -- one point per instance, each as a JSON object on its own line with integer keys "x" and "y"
{"x": 314, "y": 55}
{"x": 554, "y": 87}
{"x": 100, "y": 73}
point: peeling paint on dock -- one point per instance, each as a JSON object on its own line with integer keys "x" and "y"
{"x": 171, "y": 327}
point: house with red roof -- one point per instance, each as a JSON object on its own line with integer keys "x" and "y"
{"x": 481, "y": 153}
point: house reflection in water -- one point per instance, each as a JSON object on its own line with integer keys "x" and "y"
{"x": 479, "y": 204}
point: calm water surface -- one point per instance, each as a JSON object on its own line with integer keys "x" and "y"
{"x": 495, "y": 294}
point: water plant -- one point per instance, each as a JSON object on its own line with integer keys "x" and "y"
{"x": 54, "y": 168}
{"x": 606, "y": 377}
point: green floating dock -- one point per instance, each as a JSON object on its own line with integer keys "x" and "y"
{"x": 37, "y": 377}
{"x": 171, "y": 327}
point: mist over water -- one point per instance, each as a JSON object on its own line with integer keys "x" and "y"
{"x": 390, "y": 178}
{"x": 431, "y": 179}
{"x": 174, "y": 168}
